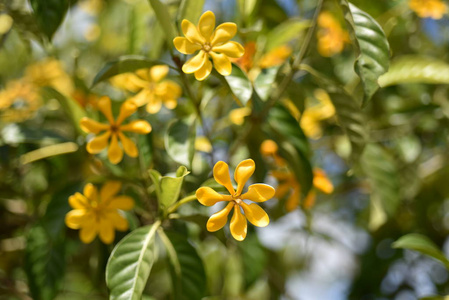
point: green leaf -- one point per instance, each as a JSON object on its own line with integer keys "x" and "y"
{"x": 254, "y": 259}
{"x": 130, "y": 264}
{"x": 416, "y": 69}
{"x": 164, "y": 18}
{"x": 371, "y": 46}
{"x": 44, "y": 264}
{"x": 265, "y": 81}
{"x": 124, "y": 64}
{"x": 168, "y": 188}
{"x": 188, "y": 274}
{"x": 285, "y": 32}
{"x": 180, "y": 141}
{"x": 190, "y": 10}
{"x": 239, "y": 85}
{"x": 435, "y": 298}
{"x": 422, "y": 244}
{"x": 49, "y": 14}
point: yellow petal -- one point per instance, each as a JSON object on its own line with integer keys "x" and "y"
{"x": 115, "y": 153}
{"x": 184, "y": 46}
{"x": 268, "y": 147}
{"x": 238, "y": 224}
{"x": 89, "y": 230}
{"x": 158, "y": 72}
{"x": 128, "y": 145}
{"x": 137, "y": 126}
{"x": 237, "y": 115}
{"x": 106, "y": 232}
{"x": 282, "y": 190}
{"x": 78, "y": 201}
{"x": 119, "y": 221}
{"x": 191, "y": 33}
{"x": 126, "y": 109}
{"x": 221, "y": 63}
{"x": 202, "y": 73}
{"x": 206, "y": 24}
{"x": 321, "y": 182}
{"x": 154, "y": 105}
{"x": 91, "y": 126}
{"x": 259, "y": 192}
{"x": 231, "y": 49}
{"x": 195, "y": 63}
{"x": 109, "y": 190}
{"x": 218, "y": 220}
{"x": 141, "y": 98}
{"x": 223, "y": 33}
{"x": 98, "y": 143}
{"x": 293, "y": 200}
{"x": 170, "y": 103}
{"x": 75, "y": 218}
{"x": 168, "y": 90}
{"x": 90, "y": 192}
{"x": 310, "y": 199}
{"x": 209, "y": 197}
{"x": 221, "y": 175}
{"x": 121, "y": 202}
{"x": 104, "y": 105}
{"x": 243, "y": 172}
{"x": 255, "y": 214}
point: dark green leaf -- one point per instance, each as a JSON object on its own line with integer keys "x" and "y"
{"x": 240, "y": 85}
{"x": 49, "y": 14}
{"x": 180, "y": 141}
{"x": 168, "y": 188}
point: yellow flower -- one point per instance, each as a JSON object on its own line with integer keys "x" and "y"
{"x": 331, "y": 37}
{"x": 18, "y": 101}
{"x": 275, "y": 57}
{"x": 210, "y": 43}
{"x": 256, "y": 192}
{"x": 270, "y": 148}
{"x": 150, "y": 87}
{"x": 85, "y": 99}
{"x": 288, "y": 185}
{"x": 320, "y": 182}
{"x": 114, "y": 131}
{"x": 434, "y": 9}
{"x": 237, "y": 115}
{"x": 313, "y": 115}
{"x": 98, "y": 213}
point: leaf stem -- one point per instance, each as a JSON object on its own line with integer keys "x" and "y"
{"x": 181, "y": 202}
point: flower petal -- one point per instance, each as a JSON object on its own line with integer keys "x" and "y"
{"x": 120, "y": 222}
{"x": 195, "y": 63}
{"x": 109, "y": 190}
{"x": 206, "y": 25}
{"x": 104, "y": 105}
{"x": 184, "y": 46}
{"x": 231, "y": 49}
{"x": 126, "y": 109}
{"x": 154, "y": 105}
{"x": 238, "y": 224}
{"x": 218, "y": 220}
{"x": 255, "y": 214}
{"x": 158, "y": 72}
{"x": 128, "y": 145}
{"x": 121, "y": 202}
{"x": 209, "y": 197}
{"x": 141, "y": 98}
{"x": 202, "y": 73}
{"x": 115, "y": 153}
{"x": 310, "y": 199}
{"x": 221, "y": 175}
{"x": 75, "y": 218}
{"x": 88, "y": 232}
{"x": 259, "y": 192}
{"x": 243, "y": 172}
{"x": 221, "y": 63}
{"x": 223, "y": 33}
{"x": 293, "y": 200}
{"x": 137, "y": 126}
{"x": 191, "y": 33}
{"x": 321, "y": 181}
{"x": 170, "y": 103}
{"x": 98, "y": 143}
{"x": 78, "y": 201}
{"x": 90, "y": 126}
{"x": 106, "y": 230}
{"x": 90, "y": 192}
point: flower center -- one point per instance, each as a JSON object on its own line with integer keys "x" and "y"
{"x": 114, "y": 128}
{"x": 238, "y": 201}
{"x": 207, "y": 47}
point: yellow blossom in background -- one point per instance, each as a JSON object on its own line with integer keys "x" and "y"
{"x": 246, "y": 62}
{"x": 50, "y": 72}
{"x": 288, "y": 185}
{"x": 6, "y": 22}
{"x": 151, "y": 88}
{"x": 320, "y": 182}
{"x": 275, "y": 57}
{"x": 93, "y": 7}
{"x": 237, "y": 116}
{"x": 19, "y": 101}
{"x": 313, "y": 115}
{"x": 85, "y": 99}
{"x": 331, "y": 36}
{"x": 113, "y": 131}
{"x": 211, "y": 42}
{"x": 203, "y": 144}
{"x": 258, "y": 192}
{"x": 269, "y": 148}
{"x": 99, "y": 213}
{"x": 434, "y": 9}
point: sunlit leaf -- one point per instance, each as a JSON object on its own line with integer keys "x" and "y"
{"x": 168, "y": 188}
{"x": 239, "y": 85}
{"x": 190, "y": 10}
{"x": 180, "y": 141}
{"x": 265, "y": 81}
{"x": 164, "y": 18}
{"x": 285, "y": 32}
{"x": 49, "y": 14}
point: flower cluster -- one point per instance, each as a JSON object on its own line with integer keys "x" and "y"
{"x": 434, "y": 9}
{"x": 331, "y": 36}
{"x": 18, "y": 101}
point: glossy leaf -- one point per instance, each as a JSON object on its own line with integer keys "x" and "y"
{"x": 130, "y": 264}
{"x": 168, "y": 188}
{"x": 265, "y": 81}
{"x": 371, "y": 45}
{"x": 422, "y": 244}
{"x": 49, "y": 14}
{"x": 190, "y": 10}
{"x": 164, "y": 19}
{"x": 285, "y": 32}
{"x": 416, "y": 69}
{"x": 180, "y": 141}
{"x": 239, "y": 85}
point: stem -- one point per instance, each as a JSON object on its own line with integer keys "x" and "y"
{"x": 183, "y": 201}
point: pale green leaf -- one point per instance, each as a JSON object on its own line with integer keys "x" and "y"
{"x": 190, "y": 10}
{"x": 285, "y": 32}
{"x": 180, "y": 141}
{"x": 264, "y": 82}
{"x": 164, "y": 18}
{"x": 239, "y": 85}
{"x": 168, "y": 188}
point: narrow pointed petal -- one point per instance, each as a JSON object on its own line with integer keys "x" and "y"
{"x": 322, "y": 182}
{"x": 104, "y": 105}
{"x": 121, "y": 202}
{"x": 90, "y": 192}
{"x": 218, "y": 220}
{"x": 221, "y": 175}
{"x": 75, "y": 218}
{"x": 204, "y": 72}
{"x": 127, "y": 109}
{"x": 128, "y": 145}
{"x": 206, "y": 25}
{"x": 106, "y": 232}
{"x": 137, "y": 126}
{"x": 115, "y": 153}
{"x": 255, "y": 214}
{"x": 184, "y": 46}
{"x": 78, "y": 201}
{"x": 209, "y": 197}
{"x": 309, "y": 202}
{"x": 238, "y": 224}
{"x": 91, "y": 126}
{"x": 98, "y": 143}
{"x": 195, "y": 63}
{"x": 224, "y": 33}
{"x": 231, "y": 49}
{"x": 221, "y": 63}
{"x": 109, "y": 190}
{"x": 259, "y": 192}
{"x": 191, "y": 33}
{"x": 158, "y": 72}
{"x": 243, "y": 172}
